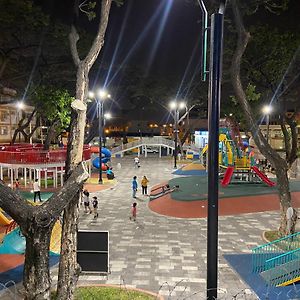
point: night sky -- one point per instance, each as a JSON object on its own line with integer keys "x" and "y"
{"x": 161, "y": 38}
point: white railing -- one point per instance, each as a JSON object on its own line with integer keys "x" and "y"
{"x": 145, "y": 141}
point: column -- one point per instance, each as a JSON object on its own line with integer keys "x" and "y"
{"x": 25, "y": 177}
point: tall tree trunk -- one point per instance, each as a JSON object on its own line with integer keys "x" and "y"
{"x": 68, "y": 267}
{"x": 278, "y": 163}
{"x": 50, "y": 135}
{"x": 37, "y": 281}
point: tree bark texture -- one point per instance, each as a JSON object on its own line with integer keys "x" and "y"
{"x": 37, "y": 281}
{"x": 50, "y": 135}
{"x": 68, "y": 267}
{"x": 279, "y": 163}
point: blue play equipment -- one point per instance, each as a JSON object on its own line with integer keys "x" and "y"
{"x": 13, "y": 243}
{"x": 278, "y": 262}
{"x": 106, "y": 155}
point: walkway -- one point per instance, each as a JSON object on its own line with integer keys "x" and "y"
{"x": 167, "y": 252}
{"x": 164, "y": 253}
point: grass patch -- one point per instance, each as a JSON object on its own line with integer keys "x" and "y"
{"x": 272, "y": 235}
{"x": 108, "y": 293}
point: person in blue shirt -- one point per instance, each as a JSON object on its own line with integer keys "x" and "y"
{"x": 134, "y": 187}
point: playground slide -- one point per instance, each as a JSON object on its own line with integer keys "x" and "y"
{"x": 204, "y": 149}
{"x": 227, "y": 176}
{"x": 263, "y": 177}
{"x": 4, "y": 220}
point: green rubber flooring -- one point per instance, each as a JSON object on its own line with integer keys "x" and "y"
{"x": 29, "y": 196}
{"x": 194, "y": 188}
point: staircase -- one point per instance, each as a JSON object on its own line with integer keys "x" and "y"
{"x": 278, "y": 262}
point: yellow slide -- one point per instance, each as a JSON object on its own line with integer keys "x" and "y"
{"x": 55, "y": 238}
{"x": 3, "y": 219}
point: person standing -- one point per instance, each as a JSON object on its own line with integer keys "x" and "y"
{"x": 136, "y": 162}
{"x": 95, "y": 207}
{"x": 134, "y": 187}
{"x": 133, "y": 212}
{"x": 36, "y": 190}
{"x": 144, "y": 184}
{"x": 86, "y": 201}
{"x": 17, "y": 186}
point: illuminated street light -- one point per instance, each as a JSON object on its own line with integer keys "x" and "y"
{"x": 102, "y": 95}
{"x": 176, "y": 106}
{"x": 107, "y": 116}
{"x": 267, "y": 109}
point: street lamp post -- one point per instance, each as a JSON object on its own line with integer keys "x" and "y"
{"x": 267, "y": 109}
{"x": 102, "y": 95}
{"x": 174, "y": 105}
{"x": 100, "y": 113}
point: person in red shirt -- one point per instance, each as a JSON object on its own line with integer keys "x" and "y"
{"x": 133, "y": 212}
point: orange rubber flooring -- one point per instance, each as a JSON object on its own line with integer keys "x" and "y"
{"x": 166, "y": 206}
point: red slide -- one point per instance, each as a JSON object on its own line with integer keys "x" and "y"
{"x": 263, "y": 177}
{"x": 227, "y": 176}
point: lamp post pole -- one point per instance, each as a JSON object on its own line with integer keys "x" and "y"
{"x": 268, "y": 126}
{"x": 176, "y": 117}
{"x": 100, "y": 116}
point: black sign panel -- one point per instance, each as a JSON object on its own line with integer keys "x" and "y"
{"x": 93, "y": 251}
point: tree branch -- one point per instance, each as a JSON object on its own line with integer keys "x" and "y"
{"x": 242, "y": 42}
{"x": 74, "y": 38}
{"x": 99, "y": 39}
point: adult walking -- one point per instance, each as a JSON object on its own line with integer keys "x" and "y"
{"x": 144, "y": 184}
{"x": 36, "y": 190}
{"x": 134, "y": 187}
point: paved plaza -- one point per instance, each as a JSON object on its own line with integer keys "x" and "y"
{"x": 161, "y": 254}
{"x": 166, "y": 254}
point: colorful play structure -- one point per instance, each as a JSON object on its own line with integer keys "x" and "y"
{"x": 106, "y": 156}
{"x": 30, "y": 161}
{"x": 278, "y": 262}
{"x": 237, "y": 158}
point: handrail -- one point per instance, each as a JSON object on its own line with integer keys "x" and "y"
{"x": 283, "y": 269}
{"x": 28, "y": 155}
{"x": 273, "y": 249}
{"x": 143, "y": 142}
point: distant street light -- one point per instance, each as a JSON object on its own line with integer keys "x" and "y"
{"x": 176, "y": 106}
{"x": 267, "y": 109}
{"x": 102, "y": 95}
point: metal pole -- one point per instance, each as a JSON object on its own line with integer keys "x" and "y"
{"x": 100, "y": 108}
{"x": 175, "y": 139}
{"x": 268, "y": 127}
{"x": 213, "y": 153}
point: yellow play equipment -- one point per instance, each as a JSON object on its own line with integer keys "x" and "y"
{"x": 4, "y": 220}
{"x": 230, "y": 155}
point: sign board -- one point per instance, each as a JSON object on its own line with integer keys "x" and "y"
{"x": 93, "y": 251}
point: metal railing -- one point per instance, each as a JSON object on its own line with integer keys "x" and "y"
{"x": 29, "y": 155}
{"x": 273, "y": 249}
{"x": 145, "y": 141}
{"x": 282, "y": 269}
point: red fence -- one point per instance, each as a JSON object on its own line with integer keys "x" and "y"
{"x": 24, "y": 154}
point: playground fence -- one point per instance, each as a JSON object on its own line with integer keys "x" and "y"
{"x": 273, "y": 249}
{"x": 30, "y": 156}
{"x": 283, "y": 268}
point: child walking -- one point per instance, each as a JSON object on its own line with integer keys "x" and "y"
{"x": 95, "y": 207}
{"x": 133, "y": 212}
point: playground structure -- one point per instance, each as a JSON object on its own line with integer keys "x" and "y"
{"x": 237, "y": 158}
{"x": 278, "y": 262}
{"x": 30, "y": 162}
{"x": 106, "y": 156}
